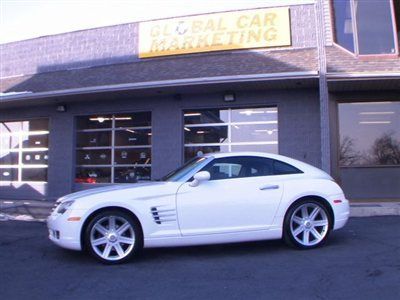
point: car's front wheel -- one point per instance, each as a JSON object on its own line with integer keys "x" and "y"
{"x": 113, "y": 236}
{"x": 307, "y": 224}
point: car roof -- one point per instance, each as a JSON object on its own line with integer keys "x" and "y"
{"x": 306, "y": 168}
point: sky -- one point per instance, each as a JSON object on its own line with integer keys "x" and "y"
{"x": 25, "y": 19}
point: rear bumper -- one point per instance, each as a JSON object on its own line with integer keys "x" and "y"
{"x": 341, "y": 211}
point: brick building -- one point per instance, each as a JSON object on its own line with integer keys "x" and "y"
{"x": 317, "y": 81}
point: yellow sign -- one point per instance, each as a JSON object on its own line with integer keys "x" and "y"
{"x": 258, "y": 28}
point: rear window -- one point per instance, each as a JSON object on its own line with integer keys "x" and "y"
{"x": 281, "y": 168}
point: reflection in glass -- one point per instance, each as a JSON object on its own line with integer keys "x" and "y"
{"x": 27, "y": 139}
{"x": 254, "y": 133}
{"x": 140, "y": 119}
{"x": 256, "y": 129}
{"x": 34, "y": 174}
{"x": 191, "y": 152}
{"x": 374, "y": 37}
{"x": 8, "y": 174}
{"x": 94, "y": 139}
{"x": 133, "y": 156}
{"x": 94, "y": 122}
{"x": 374, "y": 25}
{"x": 272, "y": 148}
{"x": 93, "y": 175}
{"x": 35, "y": 157}
{"x": 8, "y": 158}
{"x": 343, "y": 24}
{"x": 93, "y": 157}
{"x": 369, "y": 133}
{"x": 206, "y": 134}
{"x": 132, "y": 137}
{"x": 131, "y": 174}
{"x": 35, "y": 141}
{"x": 9, "y": 141}
{"x": 266, "y": 114}
{"x": 127, "y": 143}
{"x": 206, "y": 116}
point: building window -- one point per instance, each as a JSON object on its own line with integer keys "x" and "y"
{"x": 366, "y": 27}
{"x": 113, "y": 148}
{"x": 369, "y": 134}
{"x": 24, "y": 150}
{"x": 227, "y": 130}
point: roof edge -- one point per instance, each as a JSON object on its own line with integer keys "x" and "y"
{"x": 15, "y": 96}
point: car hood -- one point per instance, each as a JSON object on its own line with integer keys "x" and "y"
{"x": 111, "y": 188}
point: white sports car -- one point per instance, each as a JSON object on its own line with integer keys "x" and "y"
{"x": 215, "y": 198}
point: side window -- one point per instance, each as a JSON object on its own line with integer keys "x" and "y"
{"x": 281, "y": 168}
{"x": 239, "y": 167}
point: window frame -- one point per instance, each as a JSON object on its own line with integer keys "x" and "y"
{"x": 338, "y": 137}
{"x": 20, "y": 150}
{"x": 112, "y": 148}
{"x": 356, "y": 52}
{"x": 229, "y": 125}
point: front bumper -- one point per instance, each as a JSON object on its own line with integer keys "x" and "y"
{"x": 65, "y": 233}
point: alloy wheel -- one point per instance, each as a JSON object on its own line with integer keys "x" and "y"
{"x": 309, "y": 224}
{"x": 112, "y": 238}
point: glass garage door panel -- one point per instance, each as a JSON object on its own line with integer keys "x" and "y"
{"x": 226, "y": 130}
{"x": 195, "y": 151}
{"x": 133, "y": 156}
{"x": 24, "y": 150}
{"x": 206, "y": 116}
{"x": 9, "y": 174}
{"x": 93, "y": 175}
{"x": 131, "y": 174}
{"x": 35, "y": 157}
{"x": 93, "y": 157}
{"x": 257, "y": 148}
{"x": 8, "y": 158}
{"x": 94, "y": 122}
{"x": 206, "y": 134}
{"x": 34, "y": 174}
{"x": 133, "y": 137}
{"x": 114, "y": 148}
{"x": 94, "y": 139}
{"x": 254, "y": 133}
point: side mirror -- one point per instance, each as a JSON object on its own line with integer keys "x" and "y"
{"x": 199, "y": 177}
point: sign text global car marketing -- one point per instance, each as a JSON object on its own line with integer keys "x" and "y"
{"x": 258, "y": 28}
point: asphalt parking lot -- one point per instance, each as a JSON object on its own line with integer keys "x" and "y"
{"x": 361, "y": 261}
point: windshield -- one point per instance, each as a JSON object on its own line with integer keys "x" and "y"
{"x": 184, "y": 170}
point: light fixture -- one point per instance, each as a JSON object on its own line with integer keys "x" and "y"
{"x": 61, "y": 108}
{"x": 122, "y": 118}
{"x": 187, "y": 129}
{"x": 229, "y": 97}
{"x": 375, "y": 122}
{"x": 192, "y": 114}
{"x": 376, "y": 113}
{"x": 250, "y": 112}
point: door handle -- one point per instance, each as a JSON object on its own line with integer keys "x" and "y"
{"x": 269, "y": 187}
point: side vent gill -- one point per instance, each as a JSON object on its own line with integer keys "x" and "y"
{"x": 163, "y": 215}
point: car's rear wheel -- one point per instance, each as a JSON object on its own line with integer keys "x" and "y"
{"x": 113, "y": 236}
{"x": 307, "y": 224}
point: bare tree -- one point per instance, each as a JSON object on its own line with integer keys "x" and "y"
{"x": 386, "y": 150}
{"x": 347, "y": 155}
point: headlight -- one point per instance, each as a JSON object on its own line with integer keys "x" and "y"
{"x": 62, "y": 208}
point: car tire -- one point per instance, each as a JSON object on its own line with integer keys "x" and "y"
{"x": 113, "y": 237}
{"x": 307, "y": 224}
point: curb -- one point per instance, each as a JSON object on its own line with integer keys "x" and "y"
{"x": 374, "y": 209}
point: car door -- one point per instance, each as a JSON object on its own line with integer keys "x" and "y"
{"x": 241, "y": 195}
